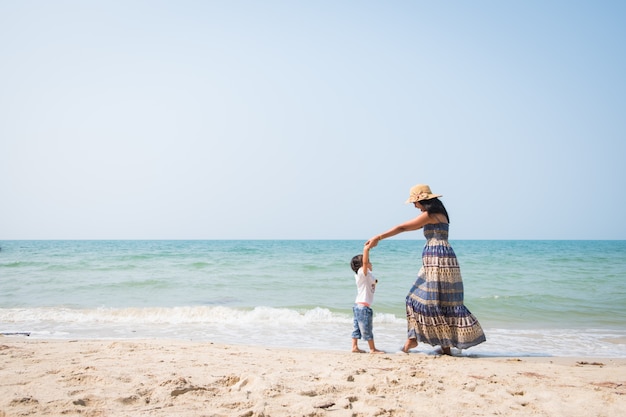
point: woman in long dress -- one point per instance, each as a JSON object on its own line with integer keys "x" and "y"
{"x": 435, "y": 311}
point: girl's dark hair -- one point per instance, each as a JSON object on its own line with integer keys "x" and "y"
{"x": 434, "y": 206}
{"x": 356, "y": 263}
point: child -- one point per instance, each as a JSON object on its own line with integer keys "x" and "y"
{"x": 363, "y": 314}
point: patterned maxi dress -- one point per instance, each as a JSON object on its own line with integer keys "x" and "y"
{"x": 434, "y": 306}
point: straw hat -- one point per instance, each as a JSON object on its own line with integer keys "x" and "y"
{"x": 420, "y": 192}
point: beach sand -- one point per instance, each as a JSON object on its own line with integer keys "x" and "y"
{"x": 185, "y": 378}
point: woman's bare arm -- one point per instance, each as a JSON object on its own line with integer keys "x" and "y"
{"x": 413, "y": 224}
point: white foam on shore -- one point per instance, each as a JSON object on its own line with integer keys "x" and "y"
{"x": 317, "y": 328}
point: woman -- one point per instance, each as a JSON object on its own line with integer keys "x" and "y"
{"x": 434, "y": 307}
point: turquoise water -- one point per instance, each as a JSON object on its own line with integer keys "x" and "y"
{"x": 565, "y": 298}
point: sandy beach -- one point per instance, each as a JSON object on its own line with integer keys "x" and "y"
{"x": 184, "y": 378}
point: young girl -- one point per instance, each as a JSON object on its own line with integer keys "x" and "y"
{"x": 363, "y": 314}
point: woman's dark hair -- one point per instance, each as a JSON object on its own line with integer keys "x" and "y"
{"x": 434, "y": 206}
{"x": 356, "y": 263}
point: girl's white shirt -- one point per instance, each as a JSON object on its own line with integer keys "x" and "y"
{"x": 365, "y": 286}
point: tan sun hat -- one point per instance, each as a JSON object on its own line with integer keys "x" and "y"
{"x": 420, "y": 192}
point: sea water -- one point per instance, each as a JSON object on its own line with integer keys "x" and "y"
{"x": 533, "y": 298}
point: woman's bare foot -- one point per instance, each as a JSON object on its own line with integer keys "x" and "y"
{"x": 409, "y": 344}
{"x": 357, "y": 350}
{"x": 377, "y": 351}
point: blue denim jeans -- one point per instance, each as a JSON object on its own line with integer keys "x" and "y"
{"x": 363, "y": 316}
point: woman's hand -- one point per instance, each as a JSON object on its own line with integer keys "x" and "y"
{"x": 372, "y": 242}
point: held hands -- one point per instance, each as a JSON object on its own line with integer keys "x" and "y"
{"x": 372, "y": 242}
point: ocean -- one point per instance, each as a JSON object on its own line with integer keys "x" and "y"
{"x": 532, "y": 298}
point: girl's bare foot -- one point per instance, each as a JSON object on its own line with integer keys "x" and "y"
{"x": 377, "y": 351}
{"x": 409, "y": 344}
{"x": 357, "y": 350}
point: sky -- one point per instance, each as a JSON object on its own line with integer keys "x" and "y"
{"x": 311, "y": 119}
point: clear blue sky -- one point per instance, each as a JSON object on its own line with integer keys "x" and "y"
{"x": 311, "y": 119}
